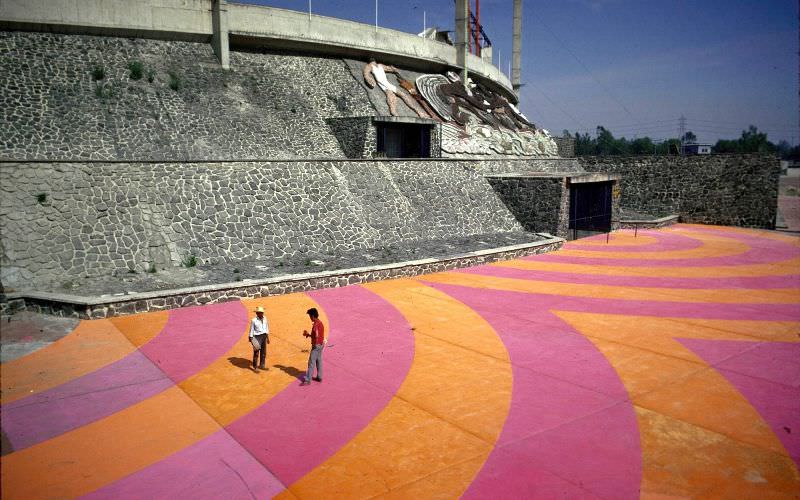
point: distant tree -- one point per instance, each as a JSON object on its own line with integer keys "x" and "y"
{"x": 751, "y": 141}
{"x": 689, "y": 138}
{"x": 642, "y": 146}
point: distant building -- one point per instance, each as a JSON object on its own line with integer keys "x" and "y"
{"x": 697, "y": 149}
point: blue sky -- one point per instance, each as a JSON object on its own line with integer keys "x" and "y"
{"x": 633, "y": 66}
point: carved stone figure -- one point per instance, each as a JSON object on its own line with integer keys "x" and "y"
{"x": 376, "y": 73}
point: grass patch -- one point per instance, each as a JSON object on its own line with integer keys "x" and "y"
{"x": 152, "y": 268}
{"x": 189, "y": 261}
{"x": 174, "y": 81}
{"x": 98, "y": 72}
{"x": 307, "y": 262}
{"x": 136, "y": 69}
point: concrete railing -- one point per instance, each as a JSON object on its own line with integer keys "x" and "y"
{"x": 352, "y": 38}
{"x": 178, "y": 19}
{"x": 246, "y": 25}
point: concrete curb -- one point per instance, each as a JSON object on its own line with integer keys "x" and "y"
{"x": 104, "y": 307}
{"x": 649, "y": 224}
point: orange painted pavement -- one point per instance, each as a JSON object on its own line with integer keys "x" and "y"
{"x": 227, "y": 389}
{"x": 769, "y": 296}
{"x": 781, "y": 268}
{"x": 713, "y": 246}
{"x": 89, "y": 457}
{"x": 699, "y": 436}
{"x": 436, "y": 432}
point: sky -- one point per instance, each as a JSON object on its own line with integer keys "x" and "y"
{"x": 632, "y": 66}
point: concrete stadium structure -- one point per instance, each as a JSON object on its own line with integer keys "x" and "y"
{"x": 139, "y": 135}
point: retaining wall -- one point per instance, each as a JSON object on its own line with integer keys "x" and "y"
{"x": 95, "y": 219}
{"x": 735, "y": 190}
{"x": 271, "y": 106}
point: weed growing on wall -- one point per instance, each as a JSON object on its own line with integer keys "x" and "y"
{"x": 151, "y": 75}
{"x": 136, "y": 69}
{"x": 189, "y": 261}
{"x": 174, "y": 81}
{"x": 98, "y": 72}
{"x": 152, "y": 268}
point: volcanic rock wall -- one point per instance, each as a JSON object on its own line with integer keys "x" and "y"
{"x": 76, "y": 97}
{"x": 736, "y": 190}
{"x": 95, "y": 219}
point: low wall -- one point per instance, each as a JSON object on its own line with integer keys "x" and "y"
{"x": 734, "y": 190}
{"x": 103, "y": 307}
{"x": 97, "y": 219}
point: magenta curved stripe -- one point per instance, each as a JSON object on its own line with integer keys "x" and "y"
{"x": 190, "y": 340}
{"x": 666, "y": 242}
{"x": 767, "y": 374}
{"x": 367, "y": 358}
{"x": 760, "y": 252}
{"x": 746, "y": 282}
{"x": 215, "y": 467}
{"x": 554, "y": 425}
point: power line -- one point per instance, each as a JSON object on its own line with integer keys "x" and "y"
{"x": 583, "y": 127}
{"x": 565, "y": 47}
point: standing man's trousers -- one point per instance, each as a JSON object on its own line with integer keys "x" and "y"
{"x": 260, "y": 354}
{"x": 315, "y": 359}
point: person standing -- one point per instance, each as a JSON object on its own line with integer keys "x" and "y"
{"x": 317, "y": 345}
{"x": 259, "y": 338}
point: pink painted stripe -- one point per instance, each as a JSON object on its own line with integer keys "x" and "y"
{"x": 191, "y": 339}
{"x": 705, "y": 310}
{"x": 768, "y": 375}
{"x": 195, "y": 336}
{"x": 761, "y": 251}
{"x": 215, "y": 467}
{"x": 555, "y": 424}
{"x": 744, "y": 282}
{"x": 665, "y": 242}
{"x": 366, "y": 360}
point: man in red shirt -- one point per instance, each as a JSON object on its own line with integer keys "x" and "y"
{"x": 317, "y": 344}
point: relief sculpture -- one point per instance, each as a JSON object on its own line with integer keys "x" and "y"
{"x": 474, "y": 120}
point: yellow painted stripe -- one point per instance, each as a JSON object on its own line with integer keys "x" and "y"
{"x": 690, "y": 417}
{"x": 153, "y": 429}
{"x": 437, "y": 431}
{"x": 228, "y": 389}
{"x": 779, "y": 268}
{"x": 766, "y": 296}
{"x": 712, "y": 246}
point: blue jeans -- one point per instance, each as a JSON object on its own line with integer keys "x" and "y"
{"x": 315, "y": 359}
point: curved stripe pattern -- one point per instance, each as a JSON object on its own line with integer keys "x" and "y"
{"x": 662, "y": 363}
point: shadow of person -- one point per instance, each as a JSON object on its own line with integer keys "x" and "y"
{"x": 291, "y": 371}
{"x": 241, "y": 363}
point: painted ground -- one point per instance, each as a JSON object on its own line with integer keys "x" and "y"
{"x": 662, "y": 365}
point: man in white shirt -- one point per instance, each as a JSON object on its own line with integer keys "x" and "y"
{"x": 259, "y": 338}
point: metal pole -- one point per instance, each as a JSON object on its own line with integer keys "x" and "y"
{"x": 462, "y": 37}
{"x": 477, "y": 27}
{"x": 376, "y": 16}
{"x": 424, "y": 24}
{"x": 516, "y": 46}
{"x": 309, "y": 10}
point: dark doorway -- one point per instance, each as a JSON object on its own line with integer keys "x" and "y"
{"x": 589, "y": 208}
{"x": 404, "y": 140}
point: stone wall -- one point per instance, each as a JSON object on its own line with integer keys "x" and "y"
{"x": 184, "y": 106}
{"x": 736, "y": 190}
{"x": 539, "y": 204}
{"x": 96, "y": 218}
{"x": 566, "y": 146}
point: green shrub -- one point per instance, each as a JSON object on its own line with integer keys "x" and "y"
{"x": 174, "y": 81}
{"x": 98, "y": 72}
{"x": 152, "y": 268}
{"x": 136, "y": 69}
{"x": 189, "y": 261}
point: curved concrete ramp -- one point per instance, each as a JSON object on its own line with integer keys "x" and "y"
{"x": 658, "y": 364}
